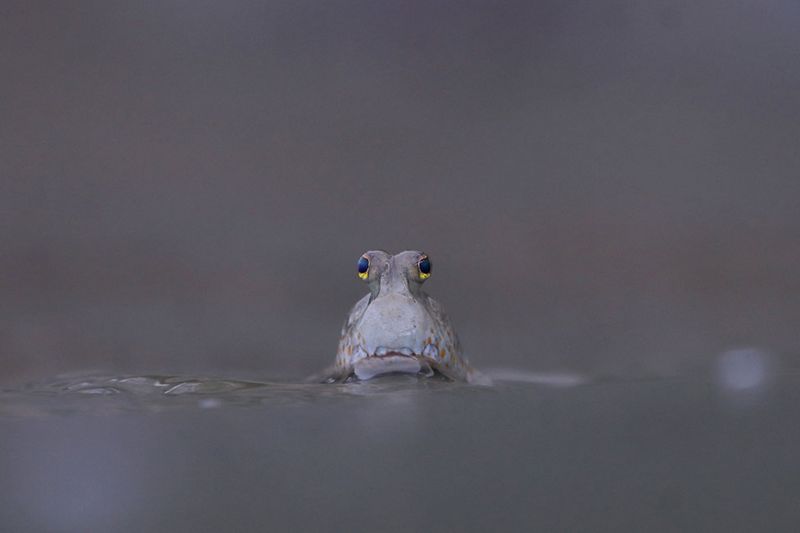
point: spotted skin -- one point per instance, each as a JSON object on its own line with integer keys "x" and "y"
{"x": 397, "y": 327}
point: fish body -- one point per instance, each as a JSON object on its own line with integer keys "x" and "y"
{"x": 398, "y": 327}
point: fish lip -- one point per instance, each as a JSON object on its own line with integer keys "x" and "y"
{"x": 387, "y": 355}
{"x": 403, "y": 351}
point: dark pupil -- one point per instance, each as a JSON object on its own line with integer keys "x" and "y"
{"x": 425, "y": 266}
{"x": 363, "y": 265}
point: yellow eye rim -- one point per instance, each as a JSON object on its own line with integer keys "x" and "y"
{"x": 423, "y": 275}
{"x": 363, "y": 261}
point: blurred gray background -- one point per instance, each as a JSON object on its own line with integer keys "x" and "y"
{"x": 603, "y": 187}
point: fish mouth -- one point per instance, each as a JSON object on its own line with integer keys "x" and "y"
{"x": 391, "y": 361}
{"x": 382, "y": 352}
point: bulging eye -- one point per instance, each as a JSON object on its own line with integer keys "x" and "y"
{"x": 424, "y": 266}
{"x": 363, "y": 267}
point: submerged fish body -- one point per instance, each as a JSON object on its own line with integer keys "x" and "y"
{"x": 397, "y": 327}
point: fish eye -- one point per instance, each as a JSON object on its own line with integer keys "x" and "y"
{"x": 424, "y": 265}
{"x": 363, "y": 267}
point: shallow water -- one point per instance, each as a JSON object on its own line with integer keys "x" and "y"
{"x": 161, "y": 453}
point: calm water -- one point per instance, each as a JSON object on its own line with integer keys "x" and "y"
{"x": 150, "y": 453}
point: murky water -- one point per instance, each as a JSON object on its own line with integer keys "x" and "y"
{"x": 159, "y": 453}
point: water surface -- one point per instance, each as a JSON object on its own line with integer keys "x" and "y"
{"x": 167, "y": 453}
